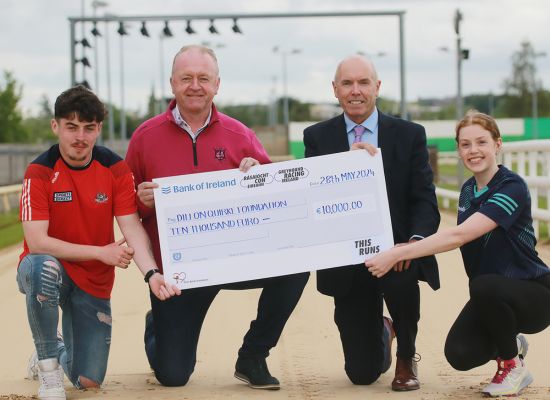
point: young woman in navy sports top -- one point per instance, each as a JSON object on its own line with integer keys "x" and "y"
{"x": 509, "y": 284}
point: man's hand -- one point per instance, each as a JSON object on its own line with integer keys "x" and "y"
{"x": 364, "y": 146}
{"x": 161, "y": 289}
{"x": 145, "y": 193}
{"x": 380, "y": 264}
{"x": 116, "y": 254}
{"x": 403, "y": 265}
{"x": 247, "y": 163}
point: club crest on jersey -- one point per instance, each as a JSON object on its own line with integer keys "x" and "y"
{"x": 101, "y": 197}
{"x": 219, "y": 153}
{"x": 62, "y": 197}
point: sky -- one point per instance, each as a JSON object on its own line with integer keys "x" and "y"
{"x": 35, "y": 47}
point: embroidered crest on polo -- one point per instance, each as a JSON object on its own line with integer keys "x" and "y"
{"x": 219, "y": 153}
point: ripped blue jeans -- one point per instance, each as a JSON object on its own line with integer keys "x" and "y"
{"x": 86, "y": 320}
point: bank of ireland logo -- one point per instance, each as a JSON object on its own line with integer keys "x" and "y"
{"x": 166, "y": 190}
{"x": 176, "y": 257}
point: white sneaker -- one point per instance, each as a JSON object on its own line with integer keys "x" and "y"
{"x": 523, "y": 346}
{"x": 32, "y": 367}
{"x": 510, "y": 379}
{"x": 50, "y": 376}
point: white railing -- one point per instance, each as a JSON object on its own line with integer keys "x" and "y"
{"x": 531, "y": 160}
{"x": 6, "y": 192}
{"x": 446, "y": 196}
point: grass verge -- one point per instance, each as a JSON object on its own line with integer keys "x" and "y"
{"x": 11, "y": 231}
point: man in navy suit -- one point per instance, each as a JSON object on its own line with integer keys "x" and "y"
{"x": 358, "y": 297}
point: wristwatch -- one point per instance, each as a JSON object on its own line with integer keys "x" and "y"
{"x": 149, "y": 274}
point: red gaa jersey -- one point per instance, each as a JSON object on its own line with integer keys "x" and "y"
{"x": 80, "y": 204}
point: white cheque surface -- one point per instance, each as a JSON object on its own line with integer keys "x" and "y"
{"x": 277, "y": 219}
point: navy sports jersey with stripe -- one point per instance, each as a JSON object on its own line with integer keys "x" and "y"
{"x": 509, "y": 249}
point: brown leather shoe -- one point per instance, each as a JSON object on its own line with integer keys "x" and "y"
{"x": 405, "y": 375}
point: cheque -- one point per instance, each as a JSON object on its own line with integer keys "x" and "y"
{"x": 276, "y": 219}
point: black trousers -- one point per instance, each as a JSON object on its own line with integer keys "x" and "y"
{"x": 402, "y": 296}
{"x": 499, "y": 308}
{"x": 172, "y": 334}
{"x": 358, "y": 315}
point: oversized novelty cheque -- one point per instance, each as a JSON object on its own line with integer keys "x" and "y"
{"x": 276, "y": 219}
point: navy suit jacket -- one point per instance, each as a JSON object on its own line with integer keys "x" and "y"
{"x": 409, "y": 183}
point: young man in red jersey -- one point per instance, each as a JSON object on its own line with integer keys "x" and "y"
{"x": 71, "y": 194}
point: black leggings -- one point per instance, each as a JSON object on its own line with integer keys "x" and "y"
{"x": 499, "y": 308}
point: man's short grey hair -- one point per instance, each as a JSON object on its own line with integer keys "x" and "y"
{"x": 201, "y": 49}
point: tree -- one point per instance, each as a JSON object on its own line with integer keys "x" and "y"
{"x": 248, "y": 114}
{"x": 153, "y": 105}
{"x": 297, "y": 111}
{"x": 389, "y": 106}
{"x": 523, "y": 70}
{"x": 518, "y": 99}
{"x": 46, "y": 109}
{"x": 11, "y": 127}
{"x": 38, "y": 126}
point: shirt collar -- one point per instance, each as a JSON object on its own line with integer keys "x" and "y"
{"x": 184, "y": 125}
{"x": 370, "y": 123}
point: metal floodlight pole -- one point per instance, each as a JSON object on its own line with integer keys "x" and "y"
{"x": 161, "y": 72}
{"x": 96, "y": 57}
{"x": 161, "y": 59}
{"x": 286, "y": 116}
{"x": 459, "y": 98}
{"x": 534, "y": 94}
{"x": 403, "y": 108}
{"x": 122, "y": 105}
{"x": 83, "y": 14}
{"x": 95, "y": 5}
{"x": 286, "y": 106}
{"x": 72, "y": 52}
{"x": 208, "y": 17}
{"x": 111, "y": 117}
{"x": 535, "y": 106}
{"x": 272, "y": 115}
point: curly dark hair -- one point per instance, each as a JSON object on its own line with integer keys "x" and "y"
{"x": 81, "y": 102}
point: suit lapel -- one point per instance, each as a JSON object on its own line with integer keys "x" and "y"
{"x": 339, "y": 135}
{"x": 386, "y": 138}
